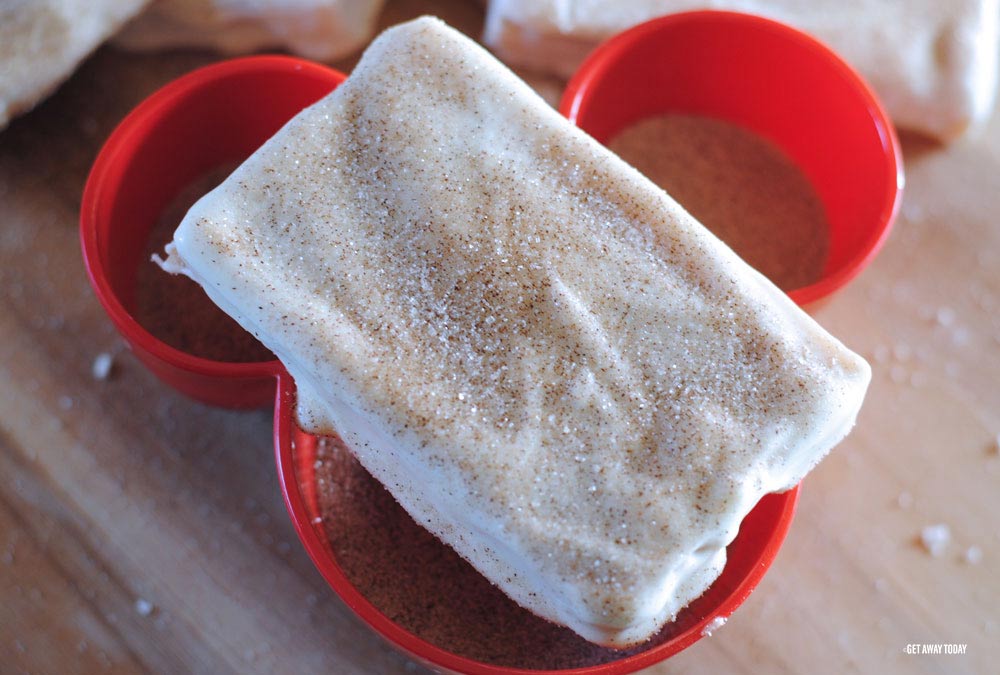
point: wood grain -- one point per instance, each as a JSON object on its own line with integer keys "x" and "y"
{"x": 118, "y": 493}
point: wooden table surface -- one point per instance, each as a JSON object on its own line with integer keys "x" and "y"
{"x": 140, "y": 531}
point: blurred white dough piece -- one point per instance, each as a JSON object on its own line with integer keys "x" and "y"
{"x": 324, "y": 30}
{"x": 933, "y": 63}
{"x": 43, "y": 41}
{"x": 549, "y": 363}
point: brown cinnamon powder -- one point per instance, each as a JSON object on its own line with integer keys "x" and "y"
{"x": 174, "y": 308}
{"x": 424, "y": 586}
{"x": 741, "y": 186}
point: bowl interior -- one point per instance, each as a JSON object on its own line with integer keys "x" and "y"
{"x": 770, "y": 79}
{"x": 212, "y": 118}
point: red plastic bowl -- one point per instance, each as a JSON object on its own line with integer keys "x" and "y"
{"x": 771, "y": 79}
{"x": 211, "y": 117}
{"x": 222, "y": 113}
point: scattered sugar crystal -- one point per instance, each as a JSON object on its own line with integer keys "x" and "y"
{"x": 881, "y": 354}
{"x": 881, "y": 585}
{"x": 960, "y": 336}
{"x": 65, "y": 402}
{"x": 902, "y": 351}
{"x": 904, "y": 500}
{"x": 101, "y": 369}
{"x": 143, "y": 607}
{"x": 973, "y": 555}
{"x": 713, "y": 625}
{"x": 935, "y": 539}
{"x": 945, "y": 316}
{"x": 911, "y": 211}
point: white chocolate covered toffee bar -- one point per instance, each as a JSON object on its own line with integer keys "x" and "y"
{"x": 934, "y": 64}
{"x": 545, "y": 359}
{"x": 317, "y": 29}
{"x": 43, "y": 41}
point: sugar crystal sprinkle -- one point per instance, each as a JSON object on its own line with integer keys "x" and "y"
{"x": 935, "y": 539}
{"x": 101, "y": 368}
{"x": 713, "y": 625}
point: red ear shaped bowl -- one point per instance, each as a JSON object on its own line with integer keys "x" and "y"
{"x": 214, "y": 116}
{"x": 773, "y": 80}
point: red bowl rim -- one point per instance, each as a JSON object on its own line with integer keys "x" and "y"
{"x": 596, "y": 66}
